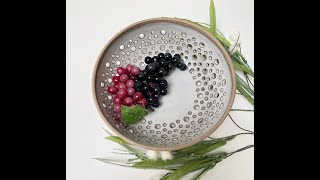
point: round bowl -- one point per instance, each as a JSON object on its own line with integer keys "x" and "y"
{"x": 198, "y": 99}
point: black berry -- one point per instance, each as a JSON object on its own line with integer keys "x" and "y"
{"x": 149, "y": 106}
{"x": 145, "y": 72}
{"x": 161, "y": 55}
{"x": 162, "y": 72}
{"x": 163, "y": 92}
{"x": 177, "y": 55}
{"x": 151, "y": 68}
{"x": 184, "y": 67}
{"x": 155, "y": 58}
{"x": 163, "y": 62}
{"x": 149, "y": 78}
{"x": 140, "y": 76}
{"x": 163, "y": 83}
{"x": 156, "y": 95}
{"x": 180, "y": 65}
{"x": 170, "y": 66}
{"x": 157, "y": 90}
{"x": 168, "y": 56}
{"x": 148, "y": 60}
{"x": 156, "y": 104}
{"x": 145, "y": 88}
{"x": 175, "y": 61}
{"x": 135, "y": 80}
{"x": 157, "y": 78}
{"x": 151, "y": 100}
{"x": 138, "y": 85}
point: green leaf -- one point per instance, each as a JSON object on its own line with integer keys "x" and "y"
{"x": 197, "y": 23}
{"x": 185, "y": 169}
{"x": 112, "y": 162}
{"x": 194, "y": 148}
{"x": 244, "y": 85}
{"x": 206, "y": 144}
{"x": 222, "y": 39}
{"x": 159, "y": 164}
{"x": 245, "y": 94}
{"x": 237, "y": 58}
{"x": 213, "y": 27}
{"x": 194, "y": 165}
{"x": 205, "y": 170}
{"x": 243, "y": 68}
{"x": 124, "y": 144}
{"x": 116, "y": 139}
{"x": 211, "y": 148}
{"x": 131, "y": 115}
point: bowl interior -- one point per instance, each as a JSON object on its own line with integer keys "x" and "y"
{"x": 198, "y": 99}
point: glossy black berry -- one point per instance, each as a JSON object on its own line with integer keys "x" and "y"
{"x": 151, "y": 100}
{"x": 157, "y": 64}
{"x": 170, "y": 66}
{"x": 152, "y": 68}
{"x": 145, "y": 88}
{"x": 149, "y": 106}
{"x": 138, "y": 85}
{"x": 177, "y": 55}
{"x": 156, "y": 104}
{"x": 148, "y": 60}
{"x": 145, "y": 72}
{"x": 162, "y": 72}
{"x": 149, "y": 78}
{"x": 163, "y": 92}
{"x": 156, "y": 95}
{"x": 147, "y": 95}
{"x": 157, "y": 90}
{"x": 163, "y": 62}
{"x": 136, "y": 80}
{"x": 140, "y": 76}
{"x": 161, "y": 55}
{"x": 168, "y": 56}
{"x": 157, "y": 78}
{"x": 180, "y": 65}
{"x": 155, "y": 58}
{"x": 184, "y": 67}
{"x": 175, "y": 61}
{"x": 163, "y": 84}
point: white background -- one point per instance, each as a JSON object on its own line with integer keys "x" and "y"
{"x": 90, "y": 24}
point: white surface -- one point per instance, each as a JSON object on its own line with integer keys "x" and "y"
{"x": 90, "y": 24}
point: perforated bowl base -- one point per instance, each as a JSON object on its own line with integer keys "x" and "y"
{"x": 198, "y": 99}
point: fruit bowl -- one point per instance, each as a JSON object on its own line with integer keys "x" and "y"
{"x": 198, "y": 99}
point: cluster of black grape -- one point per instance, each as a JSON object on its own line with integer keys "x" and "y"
{"x": 151, "y": 80}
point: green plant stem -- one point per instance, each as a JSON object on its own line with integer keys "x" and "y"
{"x": 110, "y": 162}
{"x": 245, "y": 94}
{"x": 241, "y": 110}
{"x": 241, "y": 149}
{"x": 213, "y": 26}
{"x": 238, "y": 125}
{"x": 204, "y": 171}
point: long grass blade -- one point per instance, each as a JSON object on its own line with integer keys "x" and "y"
{"x": 243, "y": 68}
{"x": 244, "y": 85}
{"x": 204, "y": 171}
{"x": 213, "y": 26}
{"x": 245, "y": 94}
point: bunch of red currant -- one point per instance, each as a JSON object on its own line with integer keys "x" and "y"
{"x": 123, "y": 89}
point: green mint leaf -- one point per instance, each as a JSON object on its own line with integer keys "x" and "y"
{"x": 131, "y": 115}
